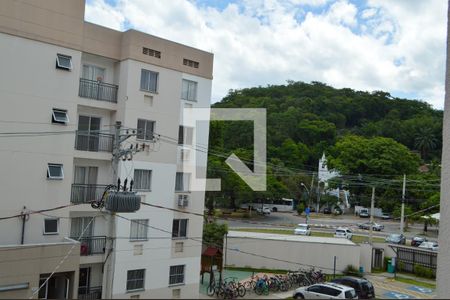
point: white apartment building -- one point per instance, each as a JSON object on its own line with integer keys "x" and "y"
{"x": 66, "y": 82}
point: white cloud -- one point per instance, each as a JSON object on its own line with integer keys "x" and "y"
{"x": 396, "y": 46}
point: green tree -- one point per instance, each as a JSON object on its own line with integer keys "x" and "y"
{"x": 425, "y": 141}
{"x": 213, "y": 233}
{"x": 358, "y": 155}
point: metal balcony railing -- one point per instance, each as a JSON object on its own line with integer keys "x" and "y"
{"x": 91, "y": 245}
{"x": 90, "y": 293}
{"x": 86, "y": 193}
{"x": 88, "y": 141}
{"x": 98, "y": 90}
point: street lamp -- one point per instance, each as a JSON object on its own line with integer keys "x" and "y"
{"x": 309, "y": 194}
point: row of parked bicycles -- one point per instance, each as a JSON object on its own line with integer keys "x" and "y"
{"x": 232, "y": 288}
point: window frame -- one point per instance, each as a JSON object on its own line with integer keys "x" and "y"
{"x": 55, "y": 119}
{"x": 146, "y": 88}
{"x": 50, "y": 177}
{"x": 177, "y": 235}
{"x": 59, "y": 65}
{"x": 189, "y": 83}
{"x": 183, "y": 134}
{"x": 45, "y": 232}
{"x": 134, "y": 280}
{"x": 177, "y": 275}
{"x": 143, "y": 137}
{"x": 139, "y": 189}
{"x": 139, "y": 223}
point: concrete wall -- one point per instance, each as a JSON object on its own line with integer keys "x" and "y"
{"x": 302, "y": 253}
{"x": 25, "y": 264}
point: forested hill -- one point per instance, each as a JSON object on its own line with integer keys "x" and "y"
{"x": 306, "y": 119}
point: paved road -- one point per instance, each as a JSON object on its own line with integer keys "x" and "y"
{"x": 327, "y": 223}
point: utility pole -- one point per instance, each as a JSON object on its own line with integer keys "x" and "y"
{"x": 372, "y": 204}
{"x": 402, "y": 216}
{"x": 318, "y": 196}
{"x": 310, "y": 190}
{"x": 110, "y": 264}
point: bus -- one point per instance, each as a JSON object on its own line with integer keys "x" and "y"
{"x": 282, "y": 205}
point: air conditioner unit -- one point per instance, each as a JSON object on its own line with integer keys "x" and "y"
{"x": 183, "y": 200}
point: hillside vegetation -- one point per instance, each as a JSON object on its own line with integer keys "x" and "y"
{"x": 372, "y": 139}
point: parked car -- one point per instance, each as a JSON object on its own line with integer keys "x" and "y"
{"x": 429, "y": 246}
{"x": 375, "y": 226}
{"x": 396, "y": 238}
{"x": 302, "y": 229}
{"x": 337, "y": 211}
{"x": 327, "y": 210}
{"x": 325, "y": 291}
{"x": 264, "y": 210}
{"x": 363, "y": 288}
{"x": 343, "y": 232}
{"x": 417, "y": 240}
{"x": 364, "y": 213}
{"x": 386, "y": 216}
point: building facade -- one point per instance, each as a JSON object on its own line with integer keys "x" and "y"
{"x": 64, "y": 84}
{"x": 443, "y": 265}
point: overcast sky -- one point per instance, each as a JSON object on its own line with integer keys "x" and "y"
{"x": 393, "y": 45}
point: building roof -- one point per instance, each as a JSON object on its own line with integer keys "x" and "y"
{"x": 212, "y": 251}
{"x": 290, "y": 238}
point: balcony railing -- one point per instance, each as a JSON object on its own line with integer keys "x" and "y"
{"x": 86, "y": 193}
{"x": 91, "y": 293}
{"x": 91, "y": 245}
{"x": 98, "y": 90}
{"x": 88, "y": 141}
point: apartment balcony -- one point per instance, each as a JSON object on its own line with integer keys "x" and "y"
{"x": 91, "y": 245}
{"x": 86, "y": 193}
{"x": 95, "y": 142}
{"x": 98, "y": 90}
{"x": 90, "y": 293}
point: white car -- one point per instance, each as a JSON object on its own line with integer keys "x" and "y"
{"x": 325, "y": 291}
{"x": 265, "y": 210}
{"x": 430, "y": 246}
{"x": 302, "y": 229}
{"x": 343, "y": 232}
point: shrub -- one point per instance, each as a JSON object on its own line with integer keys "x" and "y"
{"x": 422, "y": 271}
{"x": 300, "y": 208}
{"x": 352, "y": 271}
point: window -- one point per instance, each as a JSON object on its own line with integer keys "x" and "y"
{"x": 145, "y": 129}
{"x": 190, "y": 63}
{"x": 151, "y": 52}
{"x": 81, "y": 225}
{"x": 93, "y": 73}
{"x": 179, "y": 228}
{"x": 330, "y": 291}
{"x": 64, "y": 62}
{"x": 55, "y": 171}
{"x": 138, "y": 230}
{"x": 176, "y": 275}
{"x": 59, "y": 116}
{"x": 51, "y": 226}
{"x": 135, "y": 279}
{"x": 185, "y": 135}
{"x": 189, "y": 90}
{"x": 182, "y": 182}
{"x": 142, "y": 180}
{"x": 149, "y": 81}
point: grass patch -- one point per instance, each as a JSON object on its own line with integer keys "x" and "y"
{"x": 356, "y": 238}
{"x": 415, "y": 282}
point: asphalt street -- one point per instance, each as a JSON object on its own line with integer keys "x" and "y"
{"x": 328, "y": 223}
